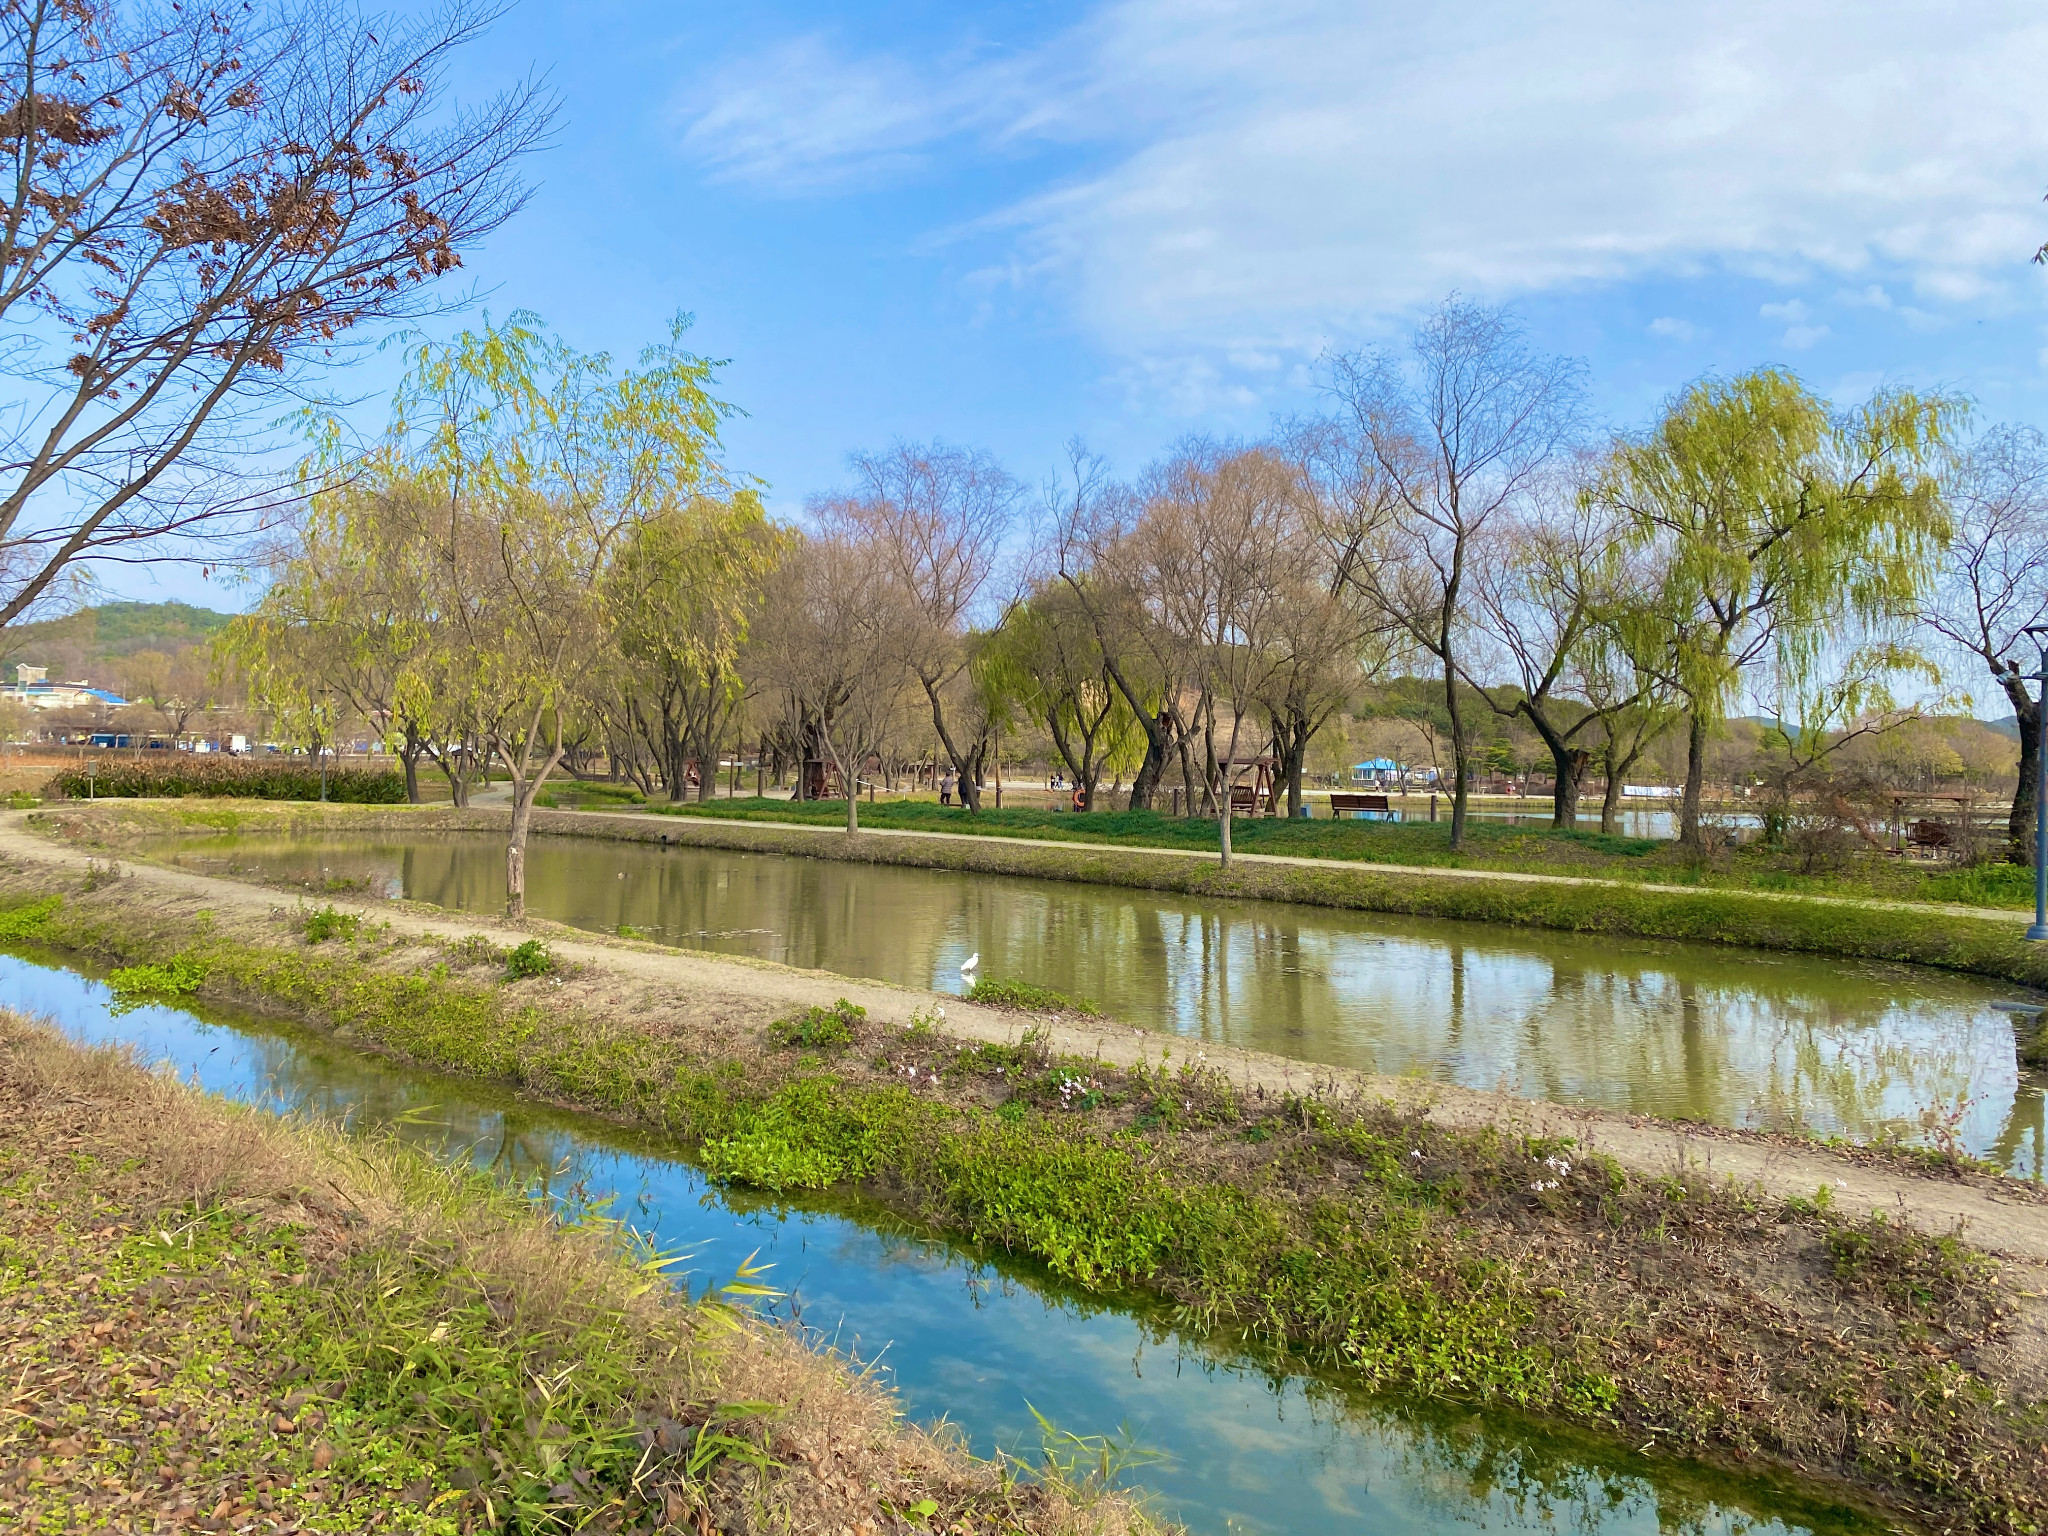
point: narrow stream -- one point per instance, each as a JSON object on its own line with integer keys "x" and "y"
{"x": 1241, "y": 1447}
{"x": 1683, "y": 1031}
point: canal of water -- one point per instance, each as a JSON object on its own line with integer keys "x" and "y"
{"x": 1241, "y": 1445}
{"x": 1727, "y": 1036}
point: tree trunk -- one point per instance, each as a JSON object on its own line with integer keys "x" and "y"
{"x": 1292, "y": 740}
{"x": 2019, "y": 826}
{"x": 1461, "y": 789}
{"x": 1145, "y": 784}
{"x": 1610, "y": 799}
{"x": 515, "y": 848}
{"x": 1695, "y": 776}
{"x": 850, "y": 782}
{"x": 1223, "y": 819}
{"x": 970, "y": 782}
{"x": 1569, "y": 765}
{"x": 409, "y": 755}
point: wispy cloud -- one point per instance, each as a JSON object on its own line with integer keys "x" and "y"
{"x": 1258, "y": 173}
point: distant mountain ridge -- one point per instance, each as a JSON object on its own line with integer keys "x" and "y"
{"x": 96, "y": 637}
{"x": 2009, "y": 726}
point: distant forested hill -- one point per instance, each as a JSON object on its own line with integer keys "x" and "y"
{"x": 91, "y": 644}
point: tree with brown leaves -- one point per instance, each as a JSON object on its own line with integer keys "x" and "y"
{"x": 199, "y": 208}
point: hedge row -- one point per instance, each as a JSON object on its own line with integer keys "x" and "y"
{"x": 172, "y": 775}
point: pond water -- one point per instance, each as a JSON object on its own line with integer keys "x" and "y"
{"x": 1242, "y": 1446}
{"x": 1685, "y": 1031}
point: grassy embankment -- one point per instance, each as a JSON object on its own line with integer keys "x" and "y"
{"x": 1477, "y": 1266}
{"x": 1519, "y": 850}
{"x": 211, "y": 1318}
{"x": 1988, "y": 946}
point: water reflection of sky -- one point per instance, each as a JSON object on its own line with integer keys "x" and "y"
{"x": 1724, "y": 1036}
{"x": 974, "y": 1344}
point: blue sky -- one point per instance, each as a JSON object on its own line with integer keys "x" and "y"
{"x": 1004, "y": 226}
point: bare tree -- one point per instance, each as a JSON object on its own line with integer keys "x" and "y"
{"x": 936, "y": 517}
{"x": 1994, "y": 585}
{"x": 1546, "y": 581}
{"x": 173, "y": 685}
{"x": 1089, "y": 515}
{"x": 830, "y": 647}
{"x": 1209, "y": 556}
{"x": 1434, "y": 448}
{"x": 200, "y": 205}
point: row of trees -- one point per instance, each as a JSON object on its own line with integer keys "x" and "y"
{"x": 542, "y": 560}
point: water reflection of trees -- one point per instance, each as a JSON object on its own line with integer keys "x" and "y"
{"x": 1728, "y": 1037}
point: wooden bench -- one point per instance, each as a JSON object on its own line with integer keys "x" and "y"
{"x": 1344, "y": 805}
{"x": 1244, "y": 800}
{"x": 1931, "y": 834}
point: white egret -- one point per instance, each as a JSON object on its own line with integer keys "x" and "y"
{"x": 972, "y": 961}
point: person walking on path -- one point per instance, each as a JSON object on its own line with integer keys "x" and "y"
{"x": 946, "y": 788}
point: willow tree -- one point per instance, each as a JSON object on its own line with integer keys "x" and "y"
{"x": 1781, "y": 523}
{"x": 542, "y": 463}
{"x": 346, "y": 613}
{"x": 1048, "y": 660}
{"x": 683, "y": 595}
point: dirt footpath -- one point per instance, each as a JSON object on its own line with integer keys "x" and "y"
{"x": 2001, "y": 1215}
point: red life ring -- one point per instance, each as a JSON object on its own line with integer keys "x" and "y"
{"x": 1077, "y": 797}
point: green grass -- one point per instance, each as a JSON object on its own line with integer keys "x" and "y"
{"x": 1378, "y": 842}
{"x": 327, "y": 923}
{"x": 577, "y": 794}
{"x": 529, "y": 957}
{"x": 818, "y": 1028}
{"x": 1028, "y": 998}
{"x": 396, "y": 1344}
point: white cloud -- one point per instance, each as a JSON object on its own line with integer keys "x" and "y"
{"x": 803, "y": 117}
{"x": 1800, "y": 332}
{"x": 1265, "y": 171}
{"x": 1671, "y": 328}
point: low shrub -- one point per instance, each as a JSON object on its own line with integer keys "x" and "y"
{"x": 529, "y": 958}
{"x": 1023, "y": 995}
{"x": 174, "y": 775}
{"x": 327, "y": 924}
{"x": 818, "y": 1028}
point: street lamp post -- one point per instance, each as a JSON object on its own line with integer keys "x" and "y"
{"x": 2039, "y": 930}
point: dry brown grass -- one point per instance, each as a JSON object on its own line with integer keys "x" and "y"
{"x": 113, "y": 1154}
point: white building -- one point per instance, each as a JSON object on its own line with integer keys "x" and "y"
{"x": 30, "y": 688}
